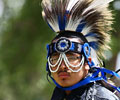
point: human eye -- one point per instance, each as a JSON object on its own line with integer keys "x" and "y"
{"x": 54, "y": 58}
{"x": 72, "y": 58}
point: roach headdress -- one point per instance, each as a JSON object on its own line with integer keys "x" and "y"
{"x": 92, "y": 18}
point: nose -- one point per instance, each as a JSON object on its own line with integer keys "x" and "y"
{"x": 63, "y": 65}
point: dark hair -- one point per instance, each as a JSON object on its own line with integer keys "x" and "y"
{"x": 70, "y": 34}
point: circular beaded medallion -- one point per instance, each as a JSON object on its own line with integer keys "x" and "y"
{"x": 63, "y": 45}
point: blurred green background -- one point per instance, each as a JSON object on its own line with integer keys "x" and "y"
{"x": 23, "y": 39}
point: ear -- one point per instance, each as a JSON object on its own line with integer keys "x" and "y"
{"x": 87, "y": 66}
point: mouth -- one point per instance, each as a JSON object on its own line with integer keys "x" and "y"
{"x": 63, "y": 75}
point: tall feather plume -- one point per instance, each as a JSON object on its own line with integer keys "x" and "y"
{"x": 92, "y": 18}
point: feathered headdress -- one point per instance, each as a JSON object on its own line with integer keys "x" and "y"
{"x": 92, "y": 18}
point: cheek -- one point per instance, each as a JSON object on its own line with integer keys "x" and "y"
{"x": 53, "y": 68}
{"x": 78, "y": 76}
{"x": 53, "y": 74}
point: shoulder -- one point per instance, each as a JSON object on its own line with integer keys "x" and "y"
{"x": 102, "y": 92}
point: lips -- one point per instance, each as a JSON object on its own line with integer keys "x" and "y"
{"x": 63, "y": 75}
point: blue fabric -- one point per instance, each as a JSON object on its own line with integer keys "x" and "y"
{"x": 47, "y": 66}
{"x": 72, "y": 46}
{"x": 81, "y": 26}
{"x": 50, "y": 26}
{"x": 47, "y": 46}
{"x": 94, "y": 77}
{"x": 91, "y": 34}
{"x": 87, "y": 53}
{"x": 62, "y": 22}
{"x": 94, "y": 45}
{"x": 108, "y": 71}
{"x": 81, "y": 83}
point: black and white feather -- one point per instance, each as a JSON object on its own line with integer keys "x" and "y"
{"x": 92, "y": 18}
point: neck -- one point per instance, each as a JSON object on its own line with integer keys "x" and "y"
{"x": 68, "y": 92}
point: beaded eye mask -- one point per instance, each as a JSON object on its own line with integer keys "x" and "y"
{"x": 67, "y": 51}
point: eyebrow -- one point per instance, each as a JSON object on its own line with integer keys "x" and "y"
{"x": 54, "y": 54}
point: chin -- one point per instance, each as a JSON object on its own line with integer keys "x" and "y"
{"x": 64, "y": 83}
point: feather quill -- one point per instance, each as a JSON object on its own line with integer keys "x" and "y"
{"x": 92, "y": 18}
